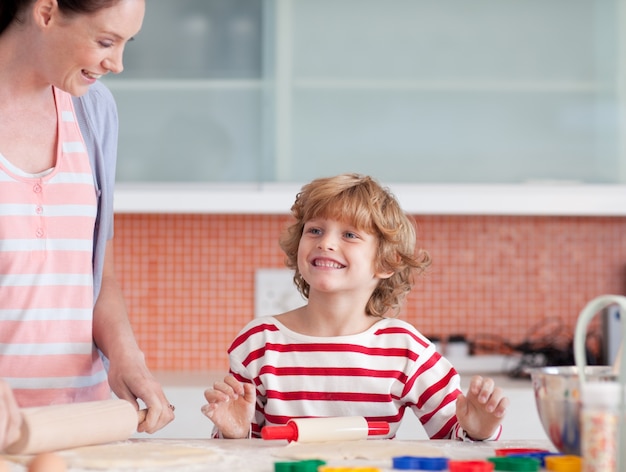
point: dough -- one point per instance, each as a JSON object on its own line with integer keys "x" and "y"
{"x": 132, "y": 454}
{"x": 372, "y": 449}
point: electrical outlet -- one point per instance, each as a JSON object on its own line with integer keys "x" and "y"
{"x": 275, "y": 292}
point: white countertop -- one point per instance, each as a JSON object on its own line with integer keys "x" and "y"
{"x": 543, "y": 199}
{"x": 256, "y": 455}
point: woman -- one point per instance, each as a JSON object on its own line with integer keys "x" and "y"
{"x": 62, "y": 313}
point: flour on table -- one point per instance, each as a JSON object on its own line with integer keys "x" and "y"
{"x": 375, "y": 449}
{"x": 132, "y": 454}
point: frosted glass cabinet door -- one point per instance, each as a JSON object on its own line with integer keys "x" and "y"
{"x": 197, "y": 39}
{"x": 448, "y": 136}
{"x": 191, "y": 134}
{"x": 484, "y": 91}
{"x": 190, "y": 97}
{"x": 432, "y": 91}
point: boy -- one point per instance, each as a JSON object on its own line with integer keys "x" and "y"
{"x": 344, "y": 353}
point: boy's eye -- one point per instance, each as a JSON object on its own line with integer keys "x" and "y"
{"x": 350, "y": 235}
{"x": 314, "y": 230}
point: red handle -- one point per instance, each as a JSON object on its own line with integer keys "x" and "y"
{"x": 377, "y": 428}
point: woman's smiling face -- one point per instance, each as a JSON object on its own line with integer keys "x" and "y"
{"x": 80, "y": 48}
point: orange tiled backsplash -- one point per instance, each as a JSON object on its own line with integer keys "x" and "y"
{"x": 189, "y": 279}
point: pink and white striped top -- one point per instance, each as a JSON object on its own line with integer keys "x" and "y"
{"x": 377, "y": 374}
{"x": 47, "y": 352}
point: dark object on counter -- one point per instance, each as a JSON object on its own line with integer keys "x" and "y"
{"x": 457, "y": 346}
{"x": 548, "y": 343}
{"x": 537, "y": 355}
{"x": 438, "y": 342}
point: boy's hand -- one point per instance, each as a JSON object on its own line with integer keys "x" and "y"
{"x": 231, "y": 406}
{"x": 480, "y": 412}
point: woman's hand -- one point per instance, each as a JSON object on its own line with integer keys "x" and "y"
{"x": 231, "y": 406}
{"x": 481, "y": 411}
{"x": 130, "y": 380}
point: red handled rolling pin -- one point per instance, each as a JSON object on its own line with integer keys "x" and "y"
{"x": 56, "y": 427}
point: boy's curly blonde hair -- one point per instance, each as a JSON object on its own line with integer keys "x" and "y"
{"x": 364, "y": 203}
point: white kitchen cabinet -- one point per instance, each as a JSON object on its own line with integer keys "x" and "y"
{"x": 411, "y": 91}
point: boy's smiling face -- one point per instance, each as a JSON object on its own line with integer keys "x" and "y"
{"x": 335, "y": 256}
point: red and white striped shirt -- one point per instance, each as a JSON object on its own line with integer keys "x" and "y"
{"x": 377, "y": 374}
{"x": 47, "y": 353}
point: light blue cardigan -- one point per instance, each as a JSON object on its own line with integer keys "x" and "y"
{"x": 96, "y": 113}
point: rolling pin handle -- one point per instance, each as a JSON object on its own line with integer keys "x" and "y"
{"x": 141, "y": 415}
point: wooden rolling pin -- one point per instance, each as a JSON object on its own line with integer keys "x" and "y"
{"x": 56, "y": 427}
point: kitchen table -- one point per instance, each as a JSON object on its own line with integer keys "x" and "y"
{"x": 256, "y": 455}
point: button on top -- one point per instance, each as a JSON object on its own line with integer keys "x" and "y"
{"x": 37, "y": 188}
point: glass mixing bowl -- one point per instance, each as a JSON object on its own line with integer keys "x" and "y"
{"x": 558, "y": 400}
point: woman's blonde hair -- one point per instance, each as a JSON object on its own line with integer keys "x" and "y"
{"x": 364, "y": 203}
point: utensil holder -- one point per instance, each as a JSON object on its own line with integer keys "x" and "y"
{"x": 580, "y": 356}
